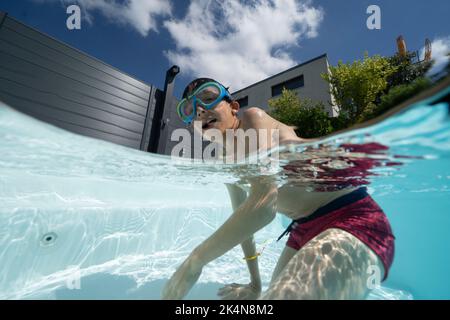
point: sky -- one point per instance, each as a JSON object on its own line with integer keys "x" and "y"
{"x": 236, "y": 42}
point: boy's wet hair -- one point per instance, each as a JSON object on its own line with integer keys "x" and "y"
{"x": 194, "y": 84}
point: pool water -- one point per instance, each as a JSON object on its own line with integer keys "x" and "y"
{"x": 86, "y": 219}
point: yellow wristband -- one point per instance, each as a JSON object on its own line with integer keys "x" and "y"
{"x": 252, "y": 257}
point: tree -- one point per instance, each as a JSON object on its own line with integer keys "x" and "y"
{"x": 406, "y": 71}
{"x": 394, "y": 97}
{"x": 357, "y": 86}
{"x": 308, "y": 117}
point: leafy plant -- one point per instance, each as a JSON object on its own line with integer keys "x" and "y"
{"x": 394, "y": 97}
{"x": 406, "y": 71}
{"x": 357, "y": 85}
{"x": 309, "y": 118}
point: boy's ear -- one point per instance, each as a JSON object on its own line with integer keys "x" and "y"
{"x": 234, "y": 106}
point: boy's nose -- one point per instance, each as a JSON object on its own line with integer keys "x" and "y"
{"x": 200, "y": 111}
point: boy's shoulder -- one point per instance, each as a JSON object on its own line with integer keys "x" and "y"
{"x": 254, "y": 116}
{"x": 259, "y": 118}
{"x": 253, "y": 111}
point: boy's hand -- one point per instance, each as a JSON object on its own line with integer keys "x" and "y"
{"x": 182, "y": 280}
{"x": 239, "y": 292}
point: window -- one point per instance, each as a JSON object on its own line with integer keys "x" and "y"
{"x": 243, "y": 102}
{"x": 291, "y": 84}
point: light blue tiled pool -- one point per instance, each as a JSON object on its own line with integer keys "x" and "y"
{"x": 82, "y": 218}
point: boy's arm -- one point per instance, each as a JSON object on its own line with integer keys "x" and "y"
{"x": 238, "y": 196}
{"x": 257, "y": 211}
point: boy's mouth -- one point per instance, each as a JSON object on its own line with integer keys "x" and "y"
{"x": 209, "y": 123}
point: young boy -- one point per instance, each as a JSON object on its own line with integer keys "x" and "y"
{"x": 338, "y": 239}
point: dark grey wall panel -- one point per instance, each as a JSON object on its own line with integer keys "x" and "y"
{"x": 36, "y": 108}
{"x": 86, "y": 131}
{"x": 48, "y": 73}
{"x": 44, "y": 56}
{"x": 36, "y": 79}
{"x": 61, "y": 85}
{"x": 72, "y": 52}
{"x": 2, "y": 18}
{"x": 8, "y": 88}
{"x": 28, "y": 86}
{"x": 155, "y": 98}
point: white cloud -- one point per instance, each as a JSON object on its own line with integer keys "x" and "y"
{"x": 440, "y": 48}
{"x": 240, "y": 43}
{"x": 139, "y": 14}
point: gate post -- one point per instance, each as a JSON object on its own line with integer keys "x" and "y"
{"x": 158, "y": 135}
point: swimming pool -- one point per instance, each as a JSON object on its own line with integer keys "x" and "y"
{"x": 86, "y": 219}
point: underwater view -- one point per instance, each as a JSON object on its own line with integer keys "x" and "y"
{"x": 82, "y": 218}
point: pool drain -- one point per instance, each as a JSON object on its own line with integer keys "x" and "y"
{"x": 48, "y": 239}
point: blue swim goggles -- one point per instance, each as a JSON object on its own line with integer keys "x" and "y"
{"x": 208, "y": 95}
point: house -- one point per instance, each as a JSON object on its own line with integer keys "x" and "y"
{"x": 305, "y": 79}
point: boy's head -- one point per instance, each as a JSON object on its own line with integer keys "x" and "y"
{"x": 195, "y": 84}
{"x": 208, "y": 101}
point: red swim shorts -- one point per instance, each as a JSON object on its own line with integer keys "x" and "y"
{"x": 356, "y": 213}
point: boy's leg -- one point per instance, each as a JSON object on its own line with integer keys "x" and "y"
{"x": 333, "y": 265}
{"x": 283, "y": 260}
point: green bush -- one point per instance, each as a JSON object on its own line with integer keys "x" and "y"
{"x": 308, "y": 117}
{"x": 286, "y": 108}
{"x": 340, "y": 122}
{"x": 363, "y": 90}
{"x": 355, "y": 86}
{"x": 394, "y": 97}
{"x": 314, "y": 122}
{"x": 406, "y": 71}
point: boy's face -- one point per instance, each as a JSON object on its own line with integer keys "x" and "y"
{"x": 220, "y": 117}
